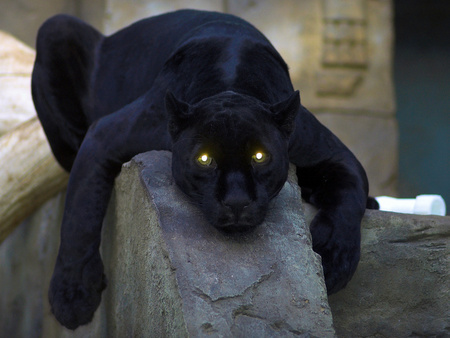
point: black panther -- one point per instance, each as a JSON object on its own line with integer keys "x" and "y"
{"x": 210, "y": 88}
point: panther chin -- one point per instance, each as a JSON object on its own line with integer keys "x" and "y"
{"x": 236, "y": 227}
{"x": 242, "y": 222}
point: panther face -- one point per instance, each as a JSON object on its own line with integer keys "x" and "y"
{"x": 230, "y": 155}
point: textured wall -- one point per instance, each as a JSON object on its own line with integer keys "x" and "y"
{"x": 339, "y": 53}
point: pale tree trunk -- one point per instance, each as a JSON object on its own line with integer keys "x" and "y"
{"x": 29, "y": 174}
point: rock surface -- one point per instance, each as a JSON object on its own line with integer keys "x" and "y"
{"x": 200, "y": 281}
{"x": 400, "y": 288}
{"x": 171, "y": 274}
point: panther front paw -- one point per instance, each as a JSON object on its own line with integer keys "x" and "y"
{"x": 337, "y": 241}
{"x": 75, "y": 292}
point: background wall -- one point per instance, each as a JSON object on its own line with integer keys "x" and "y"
{"x": 339, "y": 53}
{"x": 422, "y": 81}
{"x": 22, "y": 18}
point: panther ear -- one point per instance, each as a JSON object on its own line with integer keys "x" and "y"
{"x": 178, "y": 112}
{"x": 284, "y": 112}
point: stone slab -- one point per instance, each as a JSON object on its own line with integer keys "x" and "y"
{"x": 267, "y": 283}
{"x": 170, "y": 273}
{"x": 401, "y": 286}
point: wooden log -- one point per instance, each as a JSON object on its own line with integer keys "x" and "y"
{"x": 29, "y": 174}
{"x": 16, "y": 65}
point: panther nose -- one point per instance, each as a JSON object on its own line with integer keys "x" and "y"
{"x": 237, "y": 205}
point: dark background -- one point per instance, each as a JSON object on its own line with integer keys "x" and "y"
{"x": 422, "y": 84}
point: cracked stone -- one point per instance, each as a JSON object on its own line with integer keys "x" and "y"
{"x": 231, "y": 285}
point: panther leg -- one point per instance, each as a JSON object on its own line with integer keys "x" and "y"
{"x": 340, "y": 196}
{"x": 333, "y": 181}
{"x": 78, "y": 279}
{"x": 61, "y": 81}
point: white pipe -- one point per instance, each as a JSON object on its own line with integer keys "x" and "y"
{"x": 421, "y": 205}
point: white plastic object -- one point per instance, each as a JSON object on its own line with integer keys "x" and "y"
{"x": 421, "y": 205}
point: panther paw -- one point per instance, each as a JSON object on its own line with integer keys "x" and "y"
{"x": 75, "y": 293}
{"x": 337, "y": 241}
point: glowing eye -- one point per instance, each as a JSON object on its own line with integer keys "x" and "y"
{"x": 259, "y": 157}
{"x": 204, "y": 160}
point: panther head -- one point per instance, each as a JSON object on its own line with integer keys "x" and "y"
{"x": 230, "y": 154}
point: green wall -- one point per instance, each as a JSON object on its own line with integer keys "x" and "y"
{"x": 422, "y": 82}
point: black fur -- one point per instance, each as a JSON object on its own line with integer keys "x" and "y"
{"x": 191, "y": 82}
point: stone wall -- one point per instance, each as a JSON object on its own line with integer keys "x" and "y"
{"x": 339, "y": 53}
{"x": 23, "y": 18}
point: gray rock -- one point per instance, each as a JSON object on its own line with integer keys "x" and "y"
{"x": 170, "y": 273}
{"x": 401, "y": 286}
{"x": 200, "y": 281}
